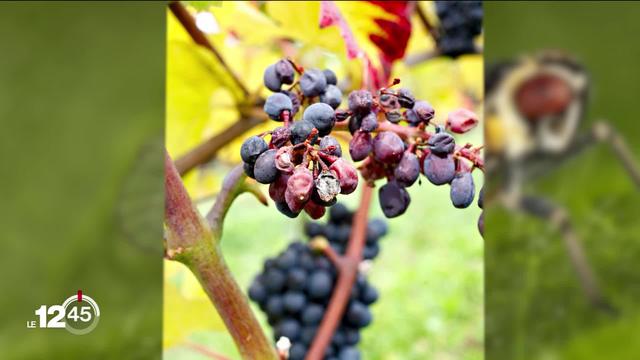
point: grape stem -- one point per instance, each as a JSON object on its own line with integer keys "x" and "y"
{"x": 194, "y": 242}
{"x": 347, "y": 266}
{"x": 207, "y": 150}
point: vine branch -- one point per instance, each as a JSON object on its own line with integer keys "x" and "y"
{"x": 233, "y": 185}
{"x": 205, "y": 151}
{"x": 347, "y": 266}
{"x": 191, "y": 241}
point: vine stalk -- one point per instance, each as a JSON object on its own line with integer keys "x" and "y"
{"x": 191, "y": 240}
{"x": 347, "y": 273}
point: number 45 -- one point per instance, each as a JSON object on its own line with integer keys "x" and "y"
{"x": 85, "y": 314}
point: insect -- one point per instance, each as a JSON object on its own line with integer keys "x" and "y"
{"x": 534, "y": 106}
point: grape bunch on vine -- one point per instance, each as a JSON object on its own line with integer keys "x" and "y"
{"x": 392, "y": 136}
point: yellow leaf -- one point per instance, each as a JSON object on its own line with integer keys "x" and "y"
{"x": 186, "y": 307}
{"x": 248, "y": 24}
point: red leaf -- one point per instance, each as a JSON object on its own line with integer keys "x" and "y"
{"x": 392, "y": 43}
{"x": 396, "y": 33}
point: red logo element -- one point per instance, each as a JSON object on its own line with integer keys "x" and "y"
{"x": 79, "y": 295}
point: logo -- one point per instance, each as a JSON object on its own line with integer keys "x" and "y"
{"x": 79, "y": 314}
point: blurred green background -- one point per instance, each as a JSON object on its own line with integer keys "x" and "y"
{"x": 535, "y": 309}
{"x": 81, "y": 108}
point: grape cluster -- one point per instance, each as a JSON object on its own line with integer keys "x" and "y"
{"x": 302, "y": 163}
{"x": 400, "y": 161}
{"x": 338, "y": 229}
{"x": 460, "y": 23}
{"x": 294, "y": 289}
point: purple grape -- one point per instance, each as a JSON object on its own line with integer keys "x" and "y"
{"x": 388, "y": 147}
{"x": 294, "y": 301}
{"x": 371, "y": 251}
{"x": 408, "y": 169}
{"x": 330, "y": 76}
{"x": 328, "y": 141}
{"x": 265, "y": 170}
{"x": 298, "y": 351}
{"x": 441, "y": 143}
{"x": 406, "y": 98}
{"x": 347, "y": 174}
{"x": 276, "y": 104}
{"x": 280, "y": 136}
{"x": 300, "y": 131}
{"x": 299, "y": 188}
{"x": 270, "y": 78}
{"x": 481, "y": 198}
{"x": 481, "y": 223}
{"x": 369, "y": 122}
{"x": 274, "y": 307}
{"x": 320, "y": 284}
{"x": 462, "y": 190}
{"x": 349, "y": 353}
{"x": 360, "y": 145}
{"x": 340, "y": 214}
{"x": 394, "y": 199}
{"x": 278, "y": 188}
{"x": 248, "y": 170}
{"x": 358, "y": 314}
{"x": 274, "y": 280}
{"x": 377, "y": 228}
{"x": 332, "y": 96}
{"x": 313, "y": 82}
{"x": 288, "y": 328}
{"x": 284, "y": 208}
{"x": 308, "y": 333}
{"x": 354, "y": 124}
{"x": 297, "y": 278}
{"x": 285, "y": 71}
{"x": 314, "y": 210}
{"x": 360, "y": 102}
{"x": 295, "y": 100}
{"x": 439, "y": 170}
{"x": 393, "y": 116}
{"x": 389, "y": 102}
{"x": 312, "y": 314}
{"x": 252, "y": 148}
{"x": 370, "y": 295}
{"x": 422, "y": 112}
{"x": 257, "y": 292}
{"x": 321, "y": 116}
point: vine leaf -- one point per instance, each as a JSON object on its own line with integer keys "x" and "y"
{"x": 395, "y": 34}
{"x": 376, "y": 32}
